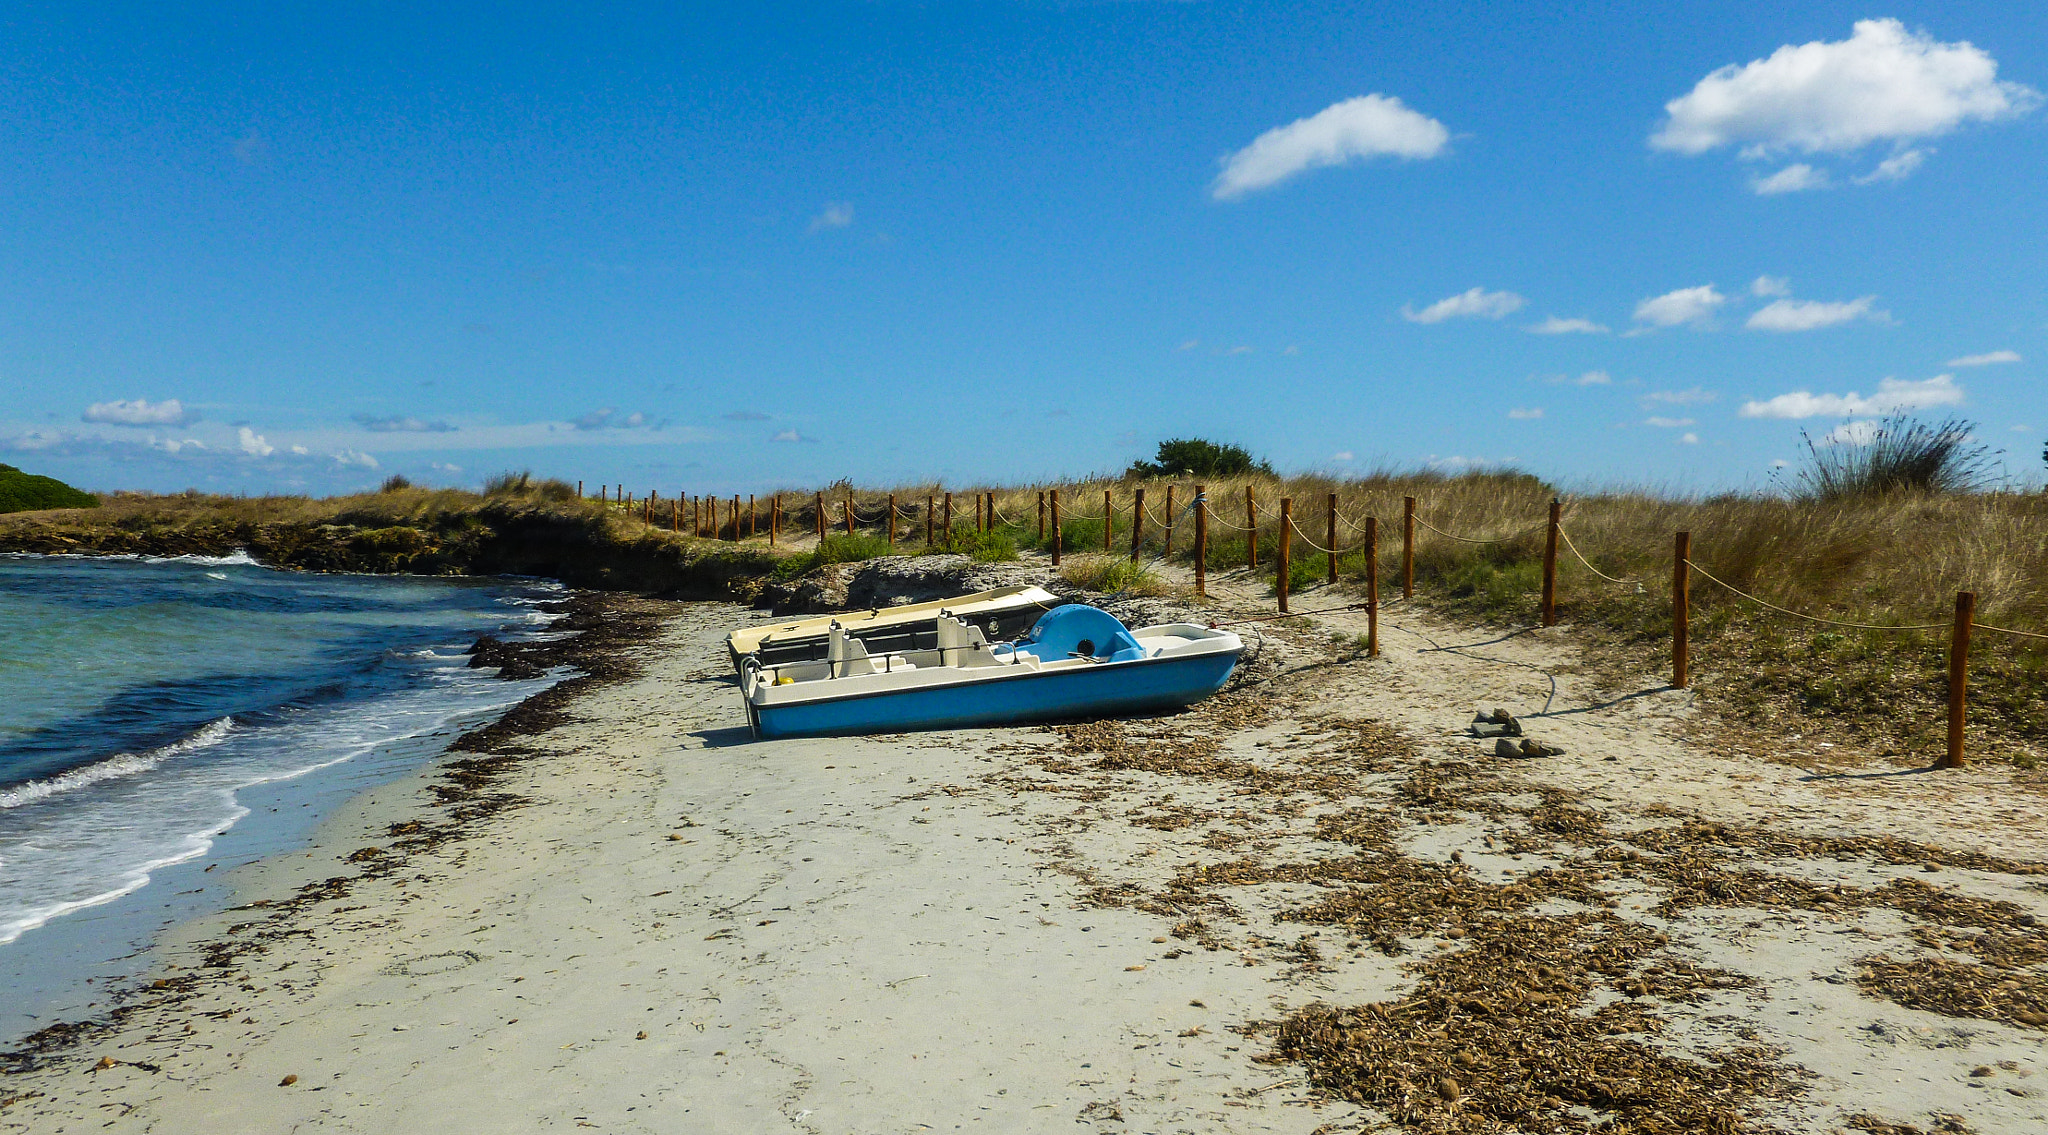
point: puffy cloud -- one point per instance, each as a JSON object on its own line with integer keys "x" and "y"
{"x": 1555, "y": 326}
{"x": 252, "y": 443}
{"x": 1689, "y": 439}
{"x": 1476, "y": 302}
{"x": 837, "y": 215}
{"x": 1884, "y": 84}
{"x": 1343, "y": 455}
{"x": 140, "y": 412}
{"x": 793, "y": 436}
{"x": 393, "y": 423}
{"x": 1795, "y": 178}
{"x": 1770, "y": 286}
{"x": 1523, "y": 414}
{"x": 1593, "y": 378}
{"x": 1364, "y": 127}
{"x": 1811, "y": 315}
{"x": 1892, "y": 395}
{"x": 352, "y": 459}
{"x": 607, "y": 418}
{"x": 1986, "y": 359}
{"x": 1686, "y": 305}
{"x": 1668, "y": 423}
{"x": 1690, "y": 396}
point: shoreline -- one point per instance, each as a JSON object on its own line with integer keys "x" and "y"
{"x": 102, "y": 943}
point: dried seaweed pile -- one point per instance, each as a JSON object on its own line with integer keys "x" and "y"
{"x": 1537, "y": 1005}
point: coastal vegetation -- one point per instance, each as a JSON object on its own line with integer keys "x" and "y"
{"x": 26, "y": 492}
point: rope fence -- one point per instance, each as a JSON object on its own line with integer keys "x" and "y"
{"x": 712, "y": 517}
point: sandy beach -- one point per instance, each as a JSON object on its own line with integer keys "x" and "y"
{"x": 1313, "y": 903}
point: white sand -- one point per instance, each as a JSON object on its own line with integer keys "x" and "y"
{"x": 867, "y": 935}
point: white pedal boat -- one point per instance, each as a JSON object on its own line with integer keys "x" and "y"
{"x": 1076, "y": 662}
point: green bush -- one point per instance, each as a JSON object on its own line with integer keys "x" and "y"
{"x": 841, "y": 549}
{"x": 1112, "y": 574}
{"x": 1194, "y": 457}
{"x": 22, "y": 492}
{"x": 992, "y": 546}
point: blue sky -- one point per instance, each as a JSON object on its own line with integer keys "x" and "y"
{"x": 719, "y": 248}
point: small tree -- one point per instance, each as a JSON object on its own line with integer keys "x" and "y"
{"x": 1195, "y": 457}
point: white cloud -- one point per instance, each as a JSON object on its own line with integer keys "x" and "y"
{"x": 1524, "y": 414}
{"x": 787, "y": 435}
{"x": 1812, "y": 315}
{"x": 606, "y": 418}
{"x": 1690, "y": 396}
{"x": 252, "y": 443}
{"x": 354, "y": 459}
{"x": 1884, "y": 84}
{"x": 1898, "y": 167}
{"x": 1686, "y": 305}
{"x": 1892, "y": 395}
{"x": 1669, "y": 423}
{"x": 1985, "y": 359}
{"x": 2022, "y": 428}
{"x": 1475, "y": 302}
{"x": 1358, "y": 128}
{"x": 1795, "y": 178}
{"x": 1861, "y": 432}
{"x": 140, "y": 412}
{"x": 1555, "y": 326}
{"x": 394, "y": 423}
{"x": 1770, "y": 286}
{"x": 1689, "y": 439}
{"x": 1780, "y": 463}
{"x": 1189, "y": 345}
{"x": 837, "y": 215}
{"x": 1343, "y": 455}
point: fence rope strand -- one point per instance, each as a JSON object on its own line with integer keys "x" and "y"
{"x": 1589, "y": 564}
{"x": 1812, "y": 618}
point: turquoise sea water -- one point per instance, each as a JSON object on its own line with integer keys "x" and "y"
{"x": 146, "y": 705}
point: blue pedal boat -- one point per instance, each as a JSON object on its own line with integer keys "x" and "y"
{"x": 1076, "y": 662}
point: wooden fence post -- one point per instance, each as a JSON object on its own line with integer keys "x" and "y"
{"x": 1550, "y": 567}
{"x": 735, "y": 518}
{"x": 1407, "y": 547}
{"x": 980, "y": 500}
{"x": 1333, "y": 539}
{"x": 1108, "y": 522}
{"x": 750, "y": 516}
{"x": 1251, "y": 525}
{"x": 849, "y": 512}
{"x": 774, "y": 517}
{"x": 819, "y": 504}
{"x": 892, "y": 522}
{"x": 1041, "y": 516}
{"x": 1201, "y": 541}
{"x": 579, "y": 490}
{"x": 1169, "y": 522}
{"x": 696, "y": 516}
{"x": 1372, "y": 587}
{"x": 1959, "y": 676}
{"x": 1284, "y": 562}
{"x": 949, "y": 520}
{"x": 714, "y": 518}
{"x": 675, "y": 515}
{"x": 1681, "y": 607}
{"x": 1137, "y": 520}
{"x": 1055, "y": 528}
{"x": 929, "y": 512}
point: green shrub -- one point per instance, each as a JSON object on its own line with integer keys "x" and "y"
{"x": 841, "y": 549}
{"x": 1112, "y": 574}
{"x": 1195, "y": 457}
{"x": 992, "y": 546}
{"x": 22, "y": 492}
